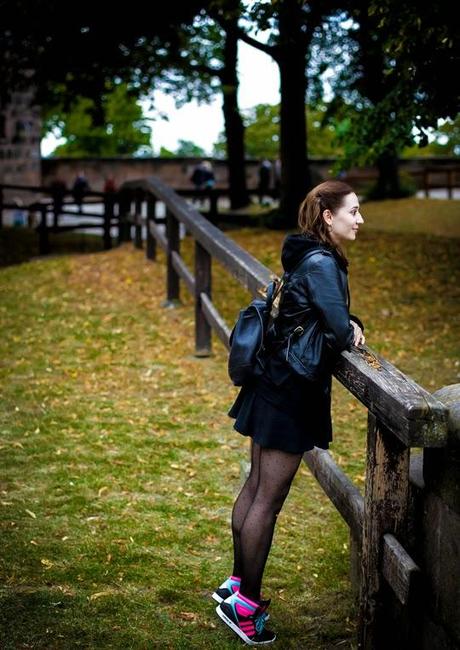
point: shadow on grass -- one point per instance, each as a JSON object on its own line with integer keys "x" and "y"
{"x": 18, "y": 245}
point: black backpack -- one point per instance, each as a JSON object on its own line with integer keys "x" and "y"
{"x": 247, "y": 337}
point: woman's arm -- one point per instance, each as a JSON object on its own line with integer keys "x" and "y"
{"x": 326, "y": 294}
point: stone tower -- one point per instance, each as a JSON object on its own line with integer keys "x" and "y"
{"x": 20, "y": 143}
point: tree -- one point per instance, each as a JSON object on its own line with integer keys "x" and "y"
{"x": 262, "y": 133}
{"x": 124, "y": 132}
{"x": 292, "y": 24}
{"x": 206, "y": 63}
{"x": 399, "y": 64}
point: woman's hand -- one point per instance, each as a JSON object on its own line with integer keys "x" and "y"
{"x": 359, "y": 338}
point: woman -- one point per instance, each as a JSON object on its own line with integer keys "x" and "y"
{"x": 286, "y": 410}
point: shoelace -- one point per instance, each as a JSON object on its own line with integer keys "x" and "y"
{"x": 260, "y": 623}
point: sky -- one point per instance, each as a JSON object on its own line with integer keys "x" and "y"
{"x": 201, "y": 124}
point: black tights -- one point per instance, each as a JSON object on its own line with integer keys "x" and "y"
{"x": 255, "y": 512}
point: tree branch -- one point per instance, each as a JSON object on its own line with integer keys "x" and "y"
{"x": 271, "y": 50}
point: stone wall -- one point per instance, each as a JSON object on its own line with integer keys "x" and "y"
{"x": 177, "y": 171}
{"x": 20, "y": 143}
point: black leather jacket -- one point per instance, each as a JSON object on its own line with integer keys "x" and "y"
{"x": 313, "y": 325}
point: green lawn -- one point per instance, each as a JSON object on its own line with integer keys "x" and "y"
{"x": 119, "y": 465}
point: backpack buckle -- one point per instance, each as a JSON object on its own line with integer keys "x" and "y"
{"x": 298, "y": 330}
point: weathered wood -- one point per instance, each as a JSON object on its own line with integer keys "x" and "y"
{"x": 215, "y": 319}
{"x": 342, "y": 492}
{"x": 203, "y": 340}
{"x": 399, "y": 569}
{"x": 184, "y": 272}
{"x": 43, "y": 230}
{"x": 385, "y": 511}
{"x": 138, "y": 220}
{"x": 173, "y": 243}
{"x": 151, "y": 248}
{"x": 244, "y": 267}
{"x": 408, "y": 410}
{"x": 108, "y": 216}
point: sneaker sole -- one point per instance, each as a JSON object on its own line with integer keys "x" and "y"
{"x": 237, "y": 630}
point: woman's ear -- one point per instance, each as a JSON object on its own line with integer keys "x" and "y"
{"x": 327, "y": 216}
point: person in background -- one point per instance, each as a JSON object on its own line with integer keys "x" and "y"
{"x": 79, "y": 189}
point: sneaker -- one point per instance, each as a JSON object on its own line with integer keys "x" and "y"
{"x": 226, "y": 589}
{"x": 247, "y": 619}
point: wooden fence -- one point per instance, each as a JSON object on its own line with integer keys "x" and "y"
{"x": 401, "y": 414}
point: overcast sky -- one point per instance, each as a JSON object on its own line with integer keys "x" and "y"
{"x": 259, "y": 84}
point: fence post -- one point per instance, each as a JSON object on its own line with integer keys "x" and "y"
{"x": 151, "y": 248}
{"x": 385, "y": 511}
{"x": 450, "y": 182}
{"x": 124, "y": 229}
{"x": 441, "y": 532}
{"x": 138, "y": 216}
{"x": 203, "y": 341}
{"x": 43, "y": 239}
{"x": 213, "y": 214}
{"x": 108, "y": 216}
{"x": 426, "y": 182}
{"x": 172, "y": 277}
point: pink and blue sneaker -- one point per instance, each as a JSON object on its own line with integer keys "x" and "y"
{"x": 226, "y": 589}
{"x": 246, "y": 618}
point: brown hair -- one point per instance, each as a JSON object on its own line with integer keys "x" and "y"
{"x": 325, "y": 196}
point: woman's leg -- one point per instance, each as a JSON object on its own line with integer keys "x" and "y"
{"x": 242, "y": 505}
{"x": 276, "y": 471}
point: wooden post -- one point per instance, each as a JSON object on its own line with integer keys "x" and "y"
{"x": 108, "y": 216}
{"x": 426, "y": 183}
{"x": 151, "y": 248}
{"x": 203, "y": 341}
{"x": 138, "y": 216}
{"x": 450, "y": 182}
{"x": 172, "y": 277}
{"x": 123, "y": 210}
{"x": 43, "y": 239}
{"x": 385, "y": 511}
{"x": 1, "y": 207}
{"x": 213, "y": 214}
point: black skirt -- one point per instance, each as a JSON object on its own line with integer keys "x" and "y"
{"x": 292, "y": 416}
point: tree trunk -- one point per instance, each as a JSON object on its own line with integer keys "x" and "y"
{"x": 295, "y": 177}
{"x": 234, "y": 128}
{"x": 388, "y": 185}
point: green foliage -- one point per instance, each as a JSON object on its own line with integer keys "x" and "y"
{"x": 445, "y": 141}
{"x": 187, "y": 148}
{"x": 124, "y": 131}
{"x": 262, "y": 127}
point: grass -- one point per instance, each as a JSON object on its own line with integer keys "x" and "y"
{"x": 119, "y": 465}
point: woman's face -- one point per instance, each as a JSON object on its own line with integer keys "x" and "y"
{"x": 344, "y": 222}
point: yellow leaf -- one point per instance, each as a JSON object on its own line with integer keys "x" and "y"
{"x": 47, "y": 563}
{"x": 100, "y": 594}
{"x": 32, "y": 514}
